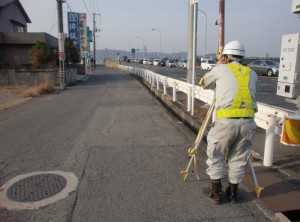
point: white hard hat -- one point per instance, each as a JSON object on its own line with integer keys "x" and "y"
{"x": 234, "y": 48}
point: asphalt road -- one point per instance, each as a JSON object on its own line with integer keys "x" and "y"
{"x": 125, "y": 148}
{"x": 266, "y": 93}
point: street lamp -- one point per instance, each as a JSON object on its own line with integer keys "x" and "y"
{"x": 130, "y": 48}
{"x": 204, "y": 55}
{"x": 143, "y": 45}
{"x": 159, "y": 40}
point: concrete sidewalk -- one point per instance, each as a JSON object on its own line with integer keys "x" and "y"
{"x": 284, "y": 174}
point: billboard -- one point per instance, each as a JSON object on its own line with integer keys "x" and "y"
{"x": 78, "y": 32}
{"x": 83, "y": 35}
{"x": 73, "y": 27}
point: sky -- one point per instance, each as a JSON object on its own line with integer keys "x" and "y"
{"x": 258, "y": 24}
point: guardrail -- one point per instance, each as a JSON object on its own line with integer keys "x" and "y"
{"x": 268, "y": 117}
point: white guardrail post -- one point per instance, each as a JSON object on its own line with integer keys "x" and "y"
{"x": 189, "y": 100}
{"x": 165, "y": 86}
{"x": 174, "y": 92}
{"x": 269, "y": 142}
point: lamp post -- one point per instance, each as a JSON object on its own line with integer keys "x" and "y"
{"x": 204, "y": 54}
{"x": 130, "y": 48}
{"x": 143, "y": 45}
{"x": 159, "y": 40}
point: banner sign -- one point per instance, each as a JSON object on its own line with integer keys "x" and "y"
{"x": 73, "y": 26}
{"x": 83, "y": 35}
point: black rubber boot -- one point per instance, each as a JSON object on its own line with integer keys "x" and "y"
{"x": 213, "y": 194}
{"x": 231, "y": 192}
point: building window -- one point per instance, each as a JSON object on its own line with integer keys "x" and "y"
{"x": 18, "y": 28}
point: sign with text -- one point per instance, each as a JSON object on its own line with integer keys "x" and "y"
{"x": 73, "y": 27}
{"x": 61, "y": 46}
{"x": 83, "y": 35}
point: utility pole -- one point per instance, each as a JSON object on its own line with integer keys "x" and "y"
{"x": 61, "y": 43}
{"x": 221, "y": 27}
{"x": 94, "y": 35}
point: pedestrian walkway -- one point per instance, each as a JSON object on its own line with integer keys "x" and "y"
{"x": 281, "y": 182}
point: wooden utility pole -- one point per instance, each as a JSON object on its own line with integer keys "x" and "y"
{"x": 221, "y": 27}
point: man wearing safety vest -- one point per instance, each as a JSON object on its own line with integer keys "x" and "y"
{"x": 230, "y": 139}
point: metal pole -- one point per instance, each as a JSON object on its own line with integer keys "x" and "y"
{"x": 204, "y": 54}
{"x": 159, "y": 40}
{"x": 194, "y": 54}
{"x": 94, "y": 35}
{"x": 190, "y": 42}
{"x": 143, "y": 46}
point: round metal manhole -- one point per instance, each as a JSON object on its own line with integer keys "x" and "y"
{"x": 37, "y": 187}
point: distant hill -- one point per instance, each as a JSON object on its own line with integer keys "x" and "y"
{"x": 113, "y": 53}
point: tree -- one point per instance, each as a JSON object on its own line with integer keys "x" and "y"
{"x": 71, "y": 52}
{"x": 40, "y": 55}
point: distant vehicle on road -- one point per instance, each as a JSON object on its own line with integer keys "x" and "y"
{"x": 208, "y": 64}
{"x": 265, "y": 67}
{"x": 170, "y": 63}
{"x": 150, "y": 62}
{"x": 155, "y": 62}
{"x": 162, "y": 63}
{"x": 182, "y": 64}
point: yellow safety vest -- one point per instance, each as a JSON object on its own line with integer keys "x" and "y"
{"x": 242, "y": 95}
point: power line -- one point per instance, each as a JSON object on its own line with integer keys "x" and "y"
{"x": 69, "y": 6}
{"x": 88, "y": 10}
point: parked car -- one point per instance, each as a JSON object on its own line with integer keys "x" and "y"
{"x": 145, "y": 61}
{"x": 170, "y": 63}
{"x": 182, "y": 64}
{"x": 208, "y": 64}
{"x": 162, "y": 63}
{"x": 155, "y": 62}
{"x": 150, "y": 62}
{"x": 265, "y": 67}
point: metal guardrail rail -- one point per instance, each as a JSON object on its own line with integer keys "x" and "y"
{"x": 268, "y": 117}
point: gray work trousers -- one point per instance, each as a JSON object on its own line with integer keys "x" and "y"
{"x": 229, "y": 141}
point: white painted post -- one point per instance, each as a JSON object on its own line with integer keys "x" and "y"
{"x": 189, "y": 100}
{"x": 269, "y": 143}
{"x": 146, "y": 75}
{"x": 153, "y": 79}
{"x": 165, "y": 86}
{"x": 157, "y": 83}
{"x": 174, "y": 92}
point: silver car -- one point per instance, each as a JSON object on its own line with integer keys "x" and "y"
{"x": 265, "y": 67}
{"x": 182, "y": 64}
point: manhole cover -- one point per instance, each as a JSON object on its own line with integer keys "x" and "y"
{"x": 37, "y": 187}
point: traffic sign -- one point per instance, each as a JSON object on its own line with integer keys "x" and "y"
{"x": 133, "y": 50}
